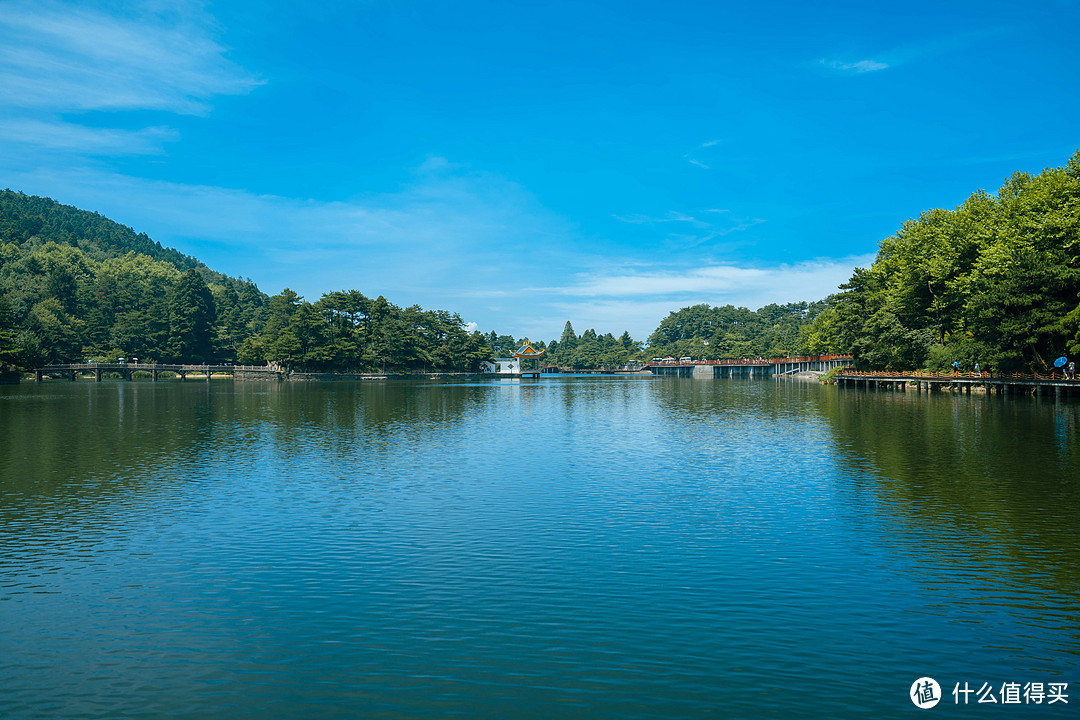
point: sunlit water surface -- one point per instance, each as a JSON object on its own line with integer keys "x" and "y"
{"x": 581, "y": 547}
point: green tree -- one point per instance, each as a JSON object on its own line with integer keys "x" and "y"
{"x": 12, "y": 352}
{"x": 58, "y": 332}
{"x": 192, "y": 316}
{"x": 997, "y": 280}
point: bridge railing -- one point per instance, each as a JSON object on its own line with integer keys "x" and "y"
{"x": 930, "y": 374}
{"x": 752, "y": 361}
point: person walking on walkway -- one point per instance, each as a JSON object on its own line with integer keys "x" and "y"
{"x": 955, "y": 367}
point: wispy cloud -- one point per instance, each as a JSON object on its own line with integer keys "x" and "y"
{"x": 895, "y": 57}
{"x": 55, "y": 134}
{"x": 860, "y": 66}
{"x": 638, "y": 300}
{"x": 809, "y": 280}
{"x": 690, "y": 231}
{"x": 672, "y": 217}
{"x": 68, "y": 57}
{"x": 60, "y": 59}
{"x": 693, "y": 157}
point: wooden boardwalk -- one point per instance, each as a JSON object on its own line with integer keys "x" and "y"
{"x": 1055, "y": 383}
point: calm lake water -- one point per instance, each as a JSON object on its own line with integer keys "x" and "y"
{"x": 590, "y": 547}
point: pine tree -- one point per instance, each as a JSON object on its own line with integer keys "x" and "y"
{"x": 192, "y": 320}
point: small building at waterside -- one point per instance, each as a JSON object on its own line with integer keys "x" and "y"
{"x": 503, "y": 366}
{"x": 515, "y": 366}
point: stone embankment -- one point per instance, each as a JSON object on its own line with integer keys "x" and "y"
{"x": 805, "y": 376}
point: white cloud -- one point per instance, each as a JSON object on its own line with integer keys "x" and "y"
{"x": 637, "y": 301}
{"x": 68, "y": 57}
{"x": 904, "y": 54}
{"x": 60, "y": 59}
{"x": 690, "y": 156}
{"x": 58, "y": 135}
{"x": 690, "y": 231}
{"x": 861, "y": 66}
{"x": 674, "y": 216}
{"x": 809, "y": 280}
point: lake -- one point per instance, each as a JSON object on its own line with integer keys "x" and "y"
{"x": 582, "y": 547}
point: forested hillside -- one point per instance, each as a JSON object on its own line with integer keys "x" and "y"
{"x": 30, "y": 222}
{"x": 75, "y": 285}
{"x": 995, "y": 281}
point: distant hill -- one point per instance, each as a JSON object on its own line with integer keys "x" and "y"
{"x": 75, "y": 285}
{"x": 29, "y": 220}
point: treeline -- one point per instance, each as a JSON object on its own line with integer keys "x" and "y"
{"x": 590, "y": 350}
{"x": 996, "y": 281}
{"x": 699, "y": 331}
{"x": 734, "y": 332}
{"x": 348, "y": 332}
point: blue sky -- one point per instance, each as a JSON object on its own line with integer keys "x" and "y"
{"x": 524, "y": 164}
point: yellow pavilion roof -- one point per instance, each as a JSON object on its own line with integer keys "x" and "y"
{"x": 528, "y": 351}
